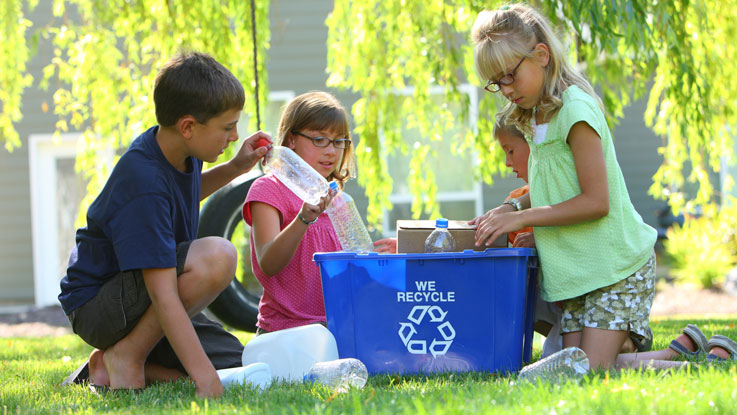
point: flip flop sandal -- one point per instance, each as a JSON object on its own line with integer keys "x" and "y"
{"x": 698, "y": 339}
{"x": 79, "y": 376}
{"x": 725, "y": 343}
{"x": 642, "y": 343}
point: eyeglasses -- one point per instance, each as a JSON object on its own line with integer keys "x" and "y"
{"x": 323, "y": 142}
{"x": 508, "y": 79}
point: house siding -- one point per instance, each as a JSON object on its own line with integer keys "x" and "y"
{"x": 16, "y": 249}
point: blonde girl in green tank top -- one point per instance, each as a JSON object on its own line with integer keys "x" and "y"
{"x": 595, "y": 250}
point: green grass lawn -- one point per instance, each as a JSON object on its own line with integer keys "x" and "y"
{"x": 32, "y": 370}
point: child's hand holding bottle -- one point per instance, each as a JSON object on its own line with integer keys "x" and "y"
{"x": 310, "y": 213}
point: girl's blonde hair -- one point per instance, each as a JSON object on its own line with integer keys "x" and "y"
{"x": 501, "y": 126}
{"x": 510, "y": 33}
{"x": 317, "y": 110}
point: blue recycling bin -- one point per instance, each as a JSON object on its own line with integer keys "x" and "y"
{"x": 426, "y": 313}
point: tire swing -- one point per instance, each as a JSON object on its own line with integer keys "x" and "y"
{"x": 237, "y": 305}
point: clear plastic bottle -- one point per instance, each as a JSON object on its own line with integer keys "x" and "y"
{"x": 296, "y": 174}
{"x": 569, "y": 362}
{"x": 255, "y": 374}
{"x": 347, "y": 223}
{"x": 339, "y": 375}
{"x": 440, "y": 240}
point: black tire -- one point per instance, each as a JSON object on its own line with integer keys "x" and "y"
{"x": 237, "y": 305}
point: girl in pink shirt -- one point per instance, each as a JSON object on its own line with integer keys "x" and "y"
{"x": 285, "y": 231}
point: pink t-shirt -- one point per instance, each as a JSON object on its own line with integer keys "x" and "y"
{"x": 293, "y": 297}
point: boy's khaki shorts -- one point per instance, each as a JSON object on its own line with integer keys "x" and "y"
{"x": 624, "y": 305}
{"x": 119, "y": 305}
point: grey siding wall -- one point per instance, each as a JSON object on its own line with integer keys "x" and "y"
{"x": 637, "y": 152}
{"x": 16, "y": 250}
{"x": 16, "y": 272}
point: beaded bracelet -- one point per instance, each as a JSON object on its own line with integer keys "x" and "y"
{"x": 305, "y": 221}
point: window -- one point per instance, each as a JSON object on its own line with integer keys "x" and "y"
{"x": 459, "y": 194}
{"x": 56, "y": 192}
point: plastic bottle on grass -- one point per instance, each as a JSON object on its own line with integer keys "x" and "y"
{"x": 290, "y": 353}
{"x": 347, "y": 223}
{"x": 255, "y": 374}
{"x": 295, "y": 173}
{"x": 440, "y": 240}
{"x": 568, "y": 363}
{"x": 339, "y": 375}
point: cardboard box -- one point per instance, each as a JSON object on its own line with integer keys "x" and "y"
{"x": 411, "y": 235}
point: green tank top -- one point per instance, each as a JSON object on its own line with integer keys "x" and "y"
{"x": 577, "y": 259}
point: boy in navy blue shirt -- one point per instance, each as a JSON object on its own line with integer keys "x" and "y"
{"x": 137, "y": 273}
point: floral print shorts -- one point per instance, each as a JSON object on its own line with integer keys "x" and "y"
{"x": 624, "y": 305}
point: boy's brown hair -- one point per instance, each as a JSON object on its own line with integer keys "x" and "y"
{"x": 318, "y": 110}
{"x": 194, "y": 83}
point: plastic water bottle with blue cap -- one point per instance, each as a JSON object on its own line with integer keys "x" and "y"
{"x": 339, "y": 375}
{"x": 347, "y": 222}
{"x": 440, "y": 239}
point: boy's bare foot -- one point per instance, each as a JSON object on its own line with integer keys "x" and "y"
{"x": 98, "y": 373}
{"x": 124, "y": 372}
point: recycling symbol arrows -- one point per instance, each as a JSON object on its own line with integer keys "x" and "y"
{"x": 436, "y": 315}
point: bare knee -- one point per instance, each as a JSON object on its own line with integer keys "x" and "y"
{"x": 213, "y": 258}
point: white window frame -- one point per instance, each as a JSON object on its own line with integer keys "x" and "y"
{"x": 476, "y": 194}
{"x": 43, "y": 153}
{"x": 728, "y": 171}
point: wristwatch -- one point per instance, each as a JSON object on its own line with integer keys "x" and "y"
{"x": 515, "y": 204}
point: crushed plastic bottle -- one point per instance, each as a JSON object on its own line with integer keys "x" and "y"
{"x": 339, "y": 375}
{"x": 296, "y": 174}
{"x": 347, "y": 222}
{"x": 570, "y": 362}
{"x": 440, "y": 239}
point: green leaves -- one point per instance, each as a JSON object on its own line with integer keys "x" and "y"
{"x": 14, "y": 54}
{"x": 678, "y": 52}
{"x": 105, "y": 63}
{"x": 379, "y": 48}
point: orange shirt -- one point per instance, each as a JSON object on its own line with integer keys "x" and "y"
{"x": 514, "y": 194}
